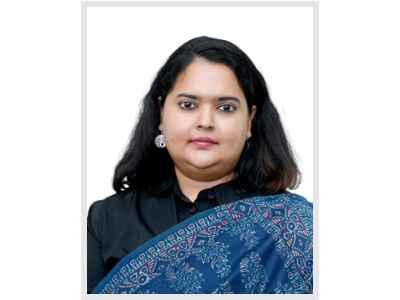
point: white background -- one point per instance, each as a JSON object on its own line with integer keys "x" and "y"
{"x": 40, "y": 154}
{"x": 123, "y": 56}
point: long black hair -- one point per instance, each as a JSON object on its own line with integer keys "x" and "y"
{"x": 266, "y": 163}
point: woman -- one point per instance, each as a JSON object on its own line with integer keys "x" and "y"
{"x": 201, "y": 202}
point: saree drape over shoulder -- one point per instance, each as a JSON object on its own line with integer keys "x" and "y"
{"x": 261, "y": 244}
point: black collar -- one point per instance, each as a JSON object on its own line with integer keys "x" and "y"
{"x": 221, "y": 193}
{"x": 171, "y": 183}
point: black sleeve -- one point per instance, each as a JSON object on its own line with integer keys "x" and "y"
{"x": 95, "y": 264}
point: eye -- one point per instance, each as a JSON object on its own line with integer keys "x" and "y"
{"x": 187, "y": 105}
{"x": 227, "y": 108}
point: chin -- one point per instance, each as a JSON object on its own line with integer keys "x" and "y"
{"x": 203, "y": 163}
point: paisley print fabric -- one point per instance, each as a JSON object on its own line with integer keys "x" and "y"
{"x": 255, "y": 246}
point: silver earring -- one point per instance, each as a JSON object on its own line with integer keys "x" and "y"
{"x": 160, "y": 141}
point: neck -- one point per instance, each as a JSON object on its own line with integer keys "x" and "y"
{"x": 191, "y": 187}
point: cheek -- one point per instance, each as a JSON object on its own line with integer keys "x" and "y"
{"x": 233, "y": 137}
{"x": 234, "y": 131}
{"x": 177, "y": 129}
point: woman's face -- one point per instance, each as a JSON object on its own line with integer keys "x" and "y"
{"x": 206, "y": 121}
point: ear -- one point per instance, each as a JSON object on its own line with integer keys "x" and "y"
{"x": 253, "y": 113}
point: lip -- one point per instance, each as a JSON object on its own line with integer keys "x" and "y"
{"x": 203, "y": 140}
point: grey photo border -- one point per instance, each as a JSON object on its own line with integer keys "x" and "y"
{"x": 314, "y": 5}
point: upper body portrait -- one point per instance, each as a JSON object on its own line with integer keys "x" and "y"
{"x": 201, "y": 201}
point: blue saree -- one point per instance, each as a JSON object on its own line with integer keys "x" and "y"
{"x": 259, "y": 245}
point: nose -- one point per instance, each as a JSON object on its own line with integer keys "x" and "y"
{"x": 205, "y": 118}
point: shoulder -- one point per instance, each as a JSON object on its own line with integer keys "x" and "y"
{"x": 290, "y": 201}
{"x": 298, "y": 208}
{"x": 288, "y": 208}
{"x": 110, "y": 206}
{"x": 288, "y": 217}
{"x": 108, "y": 214}
{"x": 297, "y": 201}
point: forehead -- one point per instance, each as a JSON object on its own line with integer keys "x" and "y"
{"x": 206, "y": 78}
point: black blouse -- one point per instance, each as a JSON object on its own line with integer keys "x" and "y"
{"x": 120, "y": 223}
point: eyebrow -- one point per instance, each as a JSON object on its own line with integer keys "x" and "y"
{"x": 224, "y": 98}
